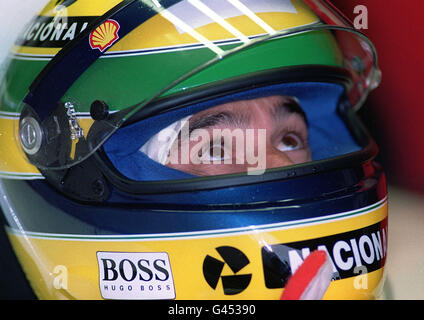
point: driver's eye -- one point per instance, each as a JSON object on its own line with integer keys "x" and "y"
{"x": 290, "y": 142}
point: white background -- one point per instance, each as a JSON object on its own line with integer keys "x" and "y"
{"x": 14, "y": 15}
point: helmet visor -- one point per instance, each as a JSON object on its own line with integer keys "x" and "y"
{"x": 65, "y": 119}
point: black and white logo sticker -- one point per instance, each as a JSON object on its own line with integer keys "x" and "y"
{"x": 236, "y": 260}
{"x": 363, "y": 249}
{"x": 135, "y": 275}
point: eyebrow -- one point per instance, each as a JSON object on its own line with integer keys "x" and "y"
{"x": 289, "y": 106}
{"x": 231, "y": 118}
{"x": 239, "y": 119}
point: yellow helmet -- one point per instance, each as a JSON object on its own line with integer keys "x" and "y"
{"x": 90, "y": 83}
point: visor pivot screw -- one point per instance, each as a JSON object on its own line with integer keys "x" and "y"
{"x": 98, "y": 187}
{"x": 99, "y": 110}
{"x": 30, "y": 135}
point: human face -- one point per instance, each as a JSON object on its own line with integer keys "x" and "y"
{"x": 243, "y": 136}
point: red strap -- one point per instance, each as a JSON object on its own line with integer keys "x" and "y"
{"x": 303, "y": 276}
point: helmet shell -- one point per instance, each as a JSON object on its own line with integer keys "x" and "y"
{"x": 185, "y": 245}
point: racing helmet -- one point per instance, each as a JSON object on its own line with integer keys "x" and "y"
{"x": 96, "y": 95}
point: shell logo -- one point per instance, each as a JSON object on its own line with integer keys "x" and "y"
{"x": 105, "y": 35}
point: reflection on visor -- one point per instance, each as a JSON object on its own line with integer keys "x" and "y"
{"x": 60, "y": 124}
{"x": 265, "y": 128}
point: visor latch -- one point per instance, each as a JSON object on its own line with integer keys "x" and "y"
{"x": 76, "y": 131}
